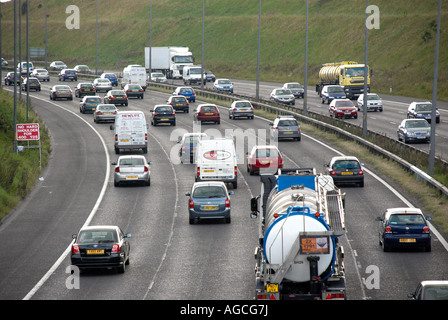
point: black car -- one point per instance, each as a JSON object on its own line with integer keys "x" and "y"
{"x": 188, "y": 144}
{"x": 101, "y": 247}
{"x": 179, "y": 103}
{"x": 134, "y": 90}
{"x": 32, "y": 83}
{"x": 163, "y": 113}
{"x": 9, "y": 79}
{"x": 346, "y": 170}
{"x": 116, "y": 97}
{"x": 84, "y": 89}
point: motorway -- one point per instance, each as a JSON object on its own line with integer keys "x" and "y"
{"x": 171, "y": 259}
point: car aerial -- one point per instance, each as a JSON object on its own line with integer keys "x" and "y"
{"x": 101, "y": 84}
{"x": 34, "y": 84}
{"x": 241, "y": 108}
{"x": 296, "y": 88}
{"x": 9, "y": 79}
{"x": 157, "y": 77}
{"x": 282, "y": 96}
{"x": 100, "y": 247}
{"x": 187, "y": 92}
{"x": 414, "y": 130}
{"x": 267, "y": 159}
{"x": 404, "y": 227}
{"x": 430, "y": 290}
{"x": 116, "y": 97}
{"x": 422, "y": 110}
{"x": 285, "y": 127}
{"x": 179, "y": 103}
{"x": 209, "y": 200}
{"x": 207, "y": 112}
{"x": 132, "y": 169}
{"x": 188, "y": 143}
{"x": 112, "y": 77}
{"x": 331, "y": 92}
{"x": 61, "y": 92}
{"x": 134, "y": 90}
{"x": 163, "y": 113}
{"x": 374, "y": 102}
{"x": 82, "y": 68}
{"x": 346, "y": 170}
{"x": 58, "y": 65}
{"x": 209, "y": 76}
{"x": 89, "y": 104}
{"x": 223, "y": 85}
{"x": 84, "y": 89}
{"x": 343, "y": 108}
{"x": 68, "y": 74}
{"x": 41, "y": 74}
{"x": 105, "y": 112}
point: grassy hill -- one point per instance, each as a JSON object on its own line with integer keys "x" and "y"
{"x": 401, "y": 52}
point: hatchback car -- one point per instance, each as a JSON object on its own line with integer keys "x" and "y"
{"x": 188, "y": 143}
{"x": 82, "y": 68}
{"x": 101, "y": 247}
{"x": 430, "y": 290}
{"x": 68, "y": 74}
{"x": 343, "y": 108}
{"x": 296, "y": 88}
{"x": 57, "y": 65}
{"x": 89, "y": 104}
{"x": 84, "y": 89}
{"x": 241, "y": 108}
{"x": 61, "y": 92}
{"x": 414, "y": 130}
{"x": 41, "y": 74}
{"x": 209, "y": 200}
{"x": 102, "y": 85}
{"x": 157, "y": 77}
{"x": 9, "y": 79}
{"x": 163, "y": 113}
{"x": 346, "y": 170}
{"x": 266, "y": 158}
{"x": 134, "y": 90}
{"x": 331, "y": 92}
{"x": 281, "y": 95}
{"x": 374, "y": 102}
{"x": 422, "y": 110}
{"x": 179, "y": 103}
{"x": 117, "y": 97}
{"x": 187, "y": 92}
{"x": 112, "y": 77}
{"x": 105, "y": 112}
{"x": 209, "y": 76}
{"x": 207, "y": 113}
{"x": 32, "y": 83}
{"x": 223, "y": 85}
{"x": 132, "y": 169}
{"x": 285, "y": 127}
{"x": 404, "y": 227}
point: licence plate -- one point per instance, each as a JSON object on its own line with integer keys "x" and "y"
{"x": 107, "y": 113}
{"x": 266, "y": 161}
{"x": 407, "y": 240}
{"x": 96, "y": 251}
{"x": 209, "y": 170}
{"x": 178, "y": 104}
{"x": 86, "y": 89}
{"x": 288, "y": 132}
{"x": 209, "y": 114}
{"x": 210, "y": 208}
{"x": 164, "y": 119}
{"x": 346, "y": 173}
{"x": 131, "y": 177}
{"x": 126, "y": 140}
{"x": 272, "y": 287}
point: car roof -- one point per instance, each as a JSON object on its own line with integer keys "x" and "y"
{"x": 434, "y": 282}
{"x": 337, "y": 158}
{"x": 133, "y": 156}
{"x": 100, "y": 227}
{"x": 403, "y": 210}
{"x": 269, "y": 146}
{"x": 209, "y": 183}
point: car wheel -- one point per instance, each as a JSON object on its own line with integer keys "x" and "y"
{"x": 385, "y": 246}
{"x": 228, "y": 220}
{"x": 121, "y": 268}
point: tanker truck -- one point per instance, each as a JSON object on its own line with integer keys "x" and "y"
{"x": 348, "y": 74}
{"x": 298, "y": 256}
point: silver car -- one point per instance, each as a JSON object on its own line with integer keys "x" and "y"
{"x": 285, "y": 127}
{"x": 296, "y": 88}
{"x": 241, "y": 108}
{"x": 105, "y": 112}
{"x": 414, "y": 130}
{"x": 132, "y": 169}
{"x": 61, "y": 92}
{"x": 209, "y": 200}
{"x": 283, "y": 96}
{"x": 102, "y": 85}
{"x": 41, "y": 74}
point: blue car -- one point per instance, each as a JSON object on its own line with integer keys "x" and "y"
{"x": 68, "y": 74}
{"x": 405, "y": 228}
{"x": 111, "y": 77}
{"x": 187, "y": 92}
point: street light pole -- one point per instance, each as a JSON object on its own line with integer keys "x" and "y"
{"x": 305, "y": 84}
{"x": 257, "y": 86}
{"x": 364, "y": 112}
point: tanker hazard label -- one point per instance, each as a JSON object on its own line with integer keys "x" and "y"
{"x": 314, "y": 245}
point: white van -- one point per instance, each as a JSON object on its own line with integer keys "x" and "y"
{"x": 192, "y": 75}
{"x": 134, "y": 74}
{"x": 131, "y": 131}
{"x": 23, "y": 66}
{"x": 216, "y": 160}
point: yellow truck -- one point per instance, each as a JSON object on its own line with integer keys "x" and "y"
{"x": 348, "y": 74}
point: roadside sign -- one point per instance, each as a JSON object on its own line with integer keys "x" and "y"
{"x": 27, "y": 131}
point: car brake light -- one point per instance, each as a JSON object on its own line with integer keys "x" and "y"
{"x": 146, "y": 169}
{"x": 388, "y": 229}
{"x": 117, "y": 169}
{"x": 116, "y": 137}
{"x": 425, "y": 229}
{"x": 360, "y": 173}
{"x": 191, "y": 203}
{"x": 115, "y": 248}
{"x": 115, "y": 112}
{"x": 227, "y": 203}
{"x": 75, "y": 248}
{"x": 146, "y": 137}
{"x": 236, "y": 170}
{"x": 99, "y": 113}
{"x": 198, "y": 171}
{"x": 332, "y": 173}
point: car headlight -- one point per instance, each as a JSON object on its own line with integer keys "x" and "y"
{"x": 409, "y": 134}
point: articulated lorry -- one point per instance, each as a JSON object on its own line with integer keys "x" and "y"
{"x": 301, "y": 219}
{"x": 348, "y": 74}
{"x": 168, "y": 60}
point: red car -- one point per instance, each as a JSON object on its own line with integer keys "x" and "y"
{"x": 343, "y": 108}
{"x": 207, "y": 112}
{"x": 264, "y": 157}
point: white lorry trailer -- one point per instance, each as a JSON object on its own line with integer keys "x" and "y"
{"x": 299, "y": 255}
{"x": 168, "y": 60}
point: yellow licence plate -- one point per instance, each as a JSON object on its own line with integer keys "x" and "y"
{"x": 209, "y": 114}
{"x": 96, "y": 251}
{"x": 272, "y": 287}
{"x": 210, "y": 170}
{"x": 164, "y": 119}
{"x": 210, "y": 208}
{"x": 266, "y": 161}
{"x": 131, "y": 177}
{"x": 346, "y": 173}
{"x": 126, "y": 140}
{"x": 407, "y": 240}
{"x": 288, "y": 132}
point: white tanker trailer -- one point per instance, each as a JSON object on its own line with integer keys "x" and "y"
{"x": 299, "y": 256}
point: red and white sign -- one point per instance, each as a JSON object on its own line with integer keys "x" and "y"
{"x": 27, "y": 131}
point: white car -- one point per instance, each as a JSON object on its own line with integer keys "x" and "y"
{"x": 101, "y": 84}
{"x": 374, "y": 102}
{"x": 281, "y": 95}
{"x": 41, "y": 74}
{"x": 296, "y": 88}
{"x": 157, "y": 77}
{"x": 58, "y": 65}
{"x": 131, "y": 169}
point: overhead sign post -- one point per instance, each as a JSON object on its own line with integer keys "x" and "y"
{"x": 29, "y": 132}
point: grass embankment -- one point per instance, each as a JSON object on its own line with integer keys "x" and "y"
{"x": 18, "y": 172}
